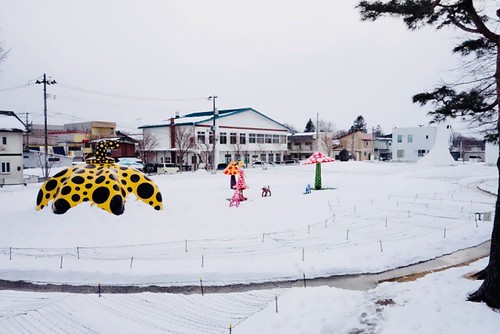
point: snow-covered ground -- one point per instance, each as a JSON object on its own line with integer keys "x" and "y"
{"x": 369, "y": 217}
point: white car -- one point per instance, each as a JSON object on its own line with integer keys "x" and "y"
{"x": 130, "y": 162}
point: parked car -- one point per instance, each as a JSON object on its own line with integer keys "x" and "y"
{"x": 221, "y": 166}
{"x": 291, "y": 162}
{"x": 130, "y": 162}
{"x": 167, "y": 168}
{"x": 150, "y": 168}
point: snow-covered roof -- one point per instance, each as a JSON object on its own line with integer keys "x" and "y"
{"x": 9, "y": 122}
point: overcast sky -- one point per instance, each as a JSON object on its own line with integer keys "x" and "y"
{"x": 287, "y": 59}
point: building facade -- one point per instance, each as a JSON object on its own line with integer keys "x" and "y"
{"x": 240, "y": 134}
{"x": 11, "y": 150}
{"x": 302, "y": 145}
{"x": 410, "y": 144}
{"x": 357, "y": 143}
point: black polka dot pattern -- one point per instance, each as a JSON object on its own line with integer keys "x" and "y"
{"x": 100, "y": 182}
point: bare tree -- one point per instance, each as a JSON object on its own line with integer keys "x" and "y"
{"x": 238, "y": 149}
{"x": 146, "y": 145}
{"x": 326, "y": 142}
{"x": 3, "y": 53}
{"x": 325, "y": 126}
{"x": 291, "y": 127}
{"x": 184, "y": 142}
{"x": 204, "y": 152}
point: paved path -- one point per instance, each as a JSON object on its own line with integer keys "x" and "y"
{"x": 352, "y": 282}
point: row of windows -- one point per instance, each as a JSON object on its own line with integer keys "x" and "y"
{"x": 269, "y": 157}
{"x": 241, "y": 138}
{"x": 401, "y": 153}
{"x": 409, "y": 138}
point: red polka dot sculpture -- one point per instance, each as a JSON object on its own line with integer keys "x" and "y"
{"x": 101, "y": 182}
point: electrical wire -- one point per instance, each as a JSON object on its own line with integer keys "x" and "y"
{"x": 119, "y": 96}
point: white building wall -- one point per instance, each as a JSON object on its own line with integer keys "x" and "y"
{"x": 11, "y": 157}
{"x": 491, "y": 153}
{"x": 270, "y": 138}
{"x": 410, "y": 144}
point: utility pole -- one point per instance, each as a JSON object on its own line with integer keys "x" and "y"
{"x": 317, "y": 131}
{"x": 373, "y": 144}
{"x": 45, "y": 82}
{"x": 27, "y": 133}
{"x": 214, "y": 135}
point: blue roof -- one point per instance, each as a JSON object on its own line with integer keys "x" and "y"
{"x": 196, "y": 118}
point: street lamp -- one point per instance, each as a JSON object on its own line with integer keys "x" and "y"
{"x": 45, "y": 82}
{"x": 214, "y": 136}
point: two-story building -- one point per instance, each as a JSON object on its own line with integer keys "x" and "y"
{"x": 302, "y": 145}
{"x": 382, "y": 147}
{"x": 357, "y": 143}
{"x": 410, "y": 144}
{"x": 11, "y": 149}
{"x": 240, "y": 134}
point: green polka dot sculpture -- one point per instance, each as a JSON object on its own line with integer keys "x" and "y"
{"x": 317, "y": 178}
{"x": 318, "y": 158}
{"x": 101, "y": 182}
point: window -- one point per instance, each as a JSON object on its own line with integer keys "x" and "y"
{"x": 211, "y": 137}
{"x": 232, "y": 138}
{"x": 4, "y": 140}
{"x": 278, "y": 157}
{"x": 410, "y": 138}
{"x": 366, "y": 143}
{"x": 260, "y": 138}
{"x": 263, "y": 157}
{"x": 400, "y": 138}
{"x": 276, "y": 139}
{"x": 201, "y": 137}
{"x": 270, "y": 157}
{"x": 251, "y": 138}
{"x": 426, "y": 136}
{"x": 5, "y": 166}
{"x": 282, "y": 139}
{"x": 401, "y": 153}
{"x": 243, "y": 138}
{"x": 268, "y": 139}
{"x": 421, "y": 153}
{"x": 223, "y": 138}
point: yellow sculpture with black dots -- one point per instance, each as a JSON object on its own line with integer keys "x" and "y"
{"x": 101, "y": 182}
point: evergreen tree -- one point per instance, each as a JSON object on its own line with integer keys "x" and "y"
{"x": 378, "y": 132}
{"x": 310, "y": 126}
{"x": 359, "y": 124}
{"x": 479, "y": 97}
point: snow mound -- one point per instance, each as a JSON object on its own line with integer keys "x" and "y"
{"x": 440, "y": 154}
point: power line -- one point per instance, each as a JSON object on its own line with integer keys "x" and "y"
{"x": 88, "y": 91}
{"x": 13, "y": 88}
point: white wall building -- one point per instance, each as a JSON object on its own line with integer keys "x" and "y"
{"x": 410, "y": 144}
{"x": 11, "y": 150}
{"x": 244, "y": 134}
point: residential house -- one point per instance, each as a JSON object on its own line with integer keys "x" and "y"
{"x": 244, "y": 134}
{"x": 11, "y": 149}
{"x": 302, "y": 145}
{"x": 382, "y": 147}
{"x": 72, "y": 139}
{"x": 410, "y": 144}
{"x": 468, "y": 149}
{"x": 357, "y": 143}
